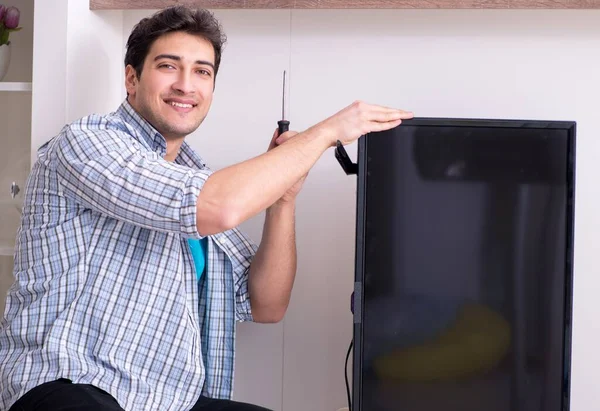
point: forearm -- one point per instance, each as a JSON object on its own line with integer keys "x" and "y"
{"x": 234, "y": 194}
{"x": 239, "y": 192}
{"x": 273, "y": 268}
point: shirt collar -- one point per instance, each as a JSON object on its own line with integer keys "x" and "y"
{"x": 148, "y": 135}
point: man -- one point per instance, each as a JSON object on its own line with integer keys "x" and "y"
{"x": 130, "y": 273}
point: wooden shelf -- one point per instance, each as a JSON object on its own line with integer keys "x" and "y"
{"x": 347, "y": 4}
{"x": 13, "y": 86}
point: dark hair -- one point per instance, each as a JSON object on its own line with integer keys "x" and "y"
{"x": 199, "y": 22}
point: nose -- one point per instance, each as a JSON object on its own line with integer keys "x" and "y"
{"x": 183, "y": 84}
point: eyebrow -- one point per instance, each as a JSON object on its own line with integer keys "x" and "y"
{"x": 178, "y": 58}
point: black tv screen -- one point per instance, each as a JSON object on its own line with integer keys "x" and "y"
{"x": 464, "y": 266}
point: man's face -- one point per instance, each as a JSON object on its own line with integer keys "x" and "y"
{"x": 175, "y": 89}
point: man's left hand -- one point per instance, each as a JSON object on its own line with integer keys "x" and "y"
{"x": 292, "y": 192}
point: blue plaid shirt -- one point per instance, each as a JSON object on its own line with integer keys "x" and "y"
{"x": 106, "y": 291}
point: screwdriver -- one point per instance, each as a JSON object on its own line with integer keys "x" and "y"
{"x": 283, "y": 124}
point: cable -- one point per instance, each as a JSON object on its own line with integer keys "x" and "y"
{"x": 346, "y": 376}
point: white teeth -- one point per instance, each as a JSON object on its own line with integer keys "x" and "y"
{"x": 173, "y": 103}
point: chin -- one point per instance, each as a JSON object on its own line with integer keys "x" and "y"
{"x": 182, "y": 131}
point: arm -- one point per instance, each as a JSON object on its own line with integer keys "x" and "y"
{"x": 103, "y": 169}
{"x": 273, "y": 268}
{"x": 237, "y": 193}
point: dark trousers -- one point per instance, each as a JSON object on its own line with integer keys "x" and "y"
{"x": 62, "y": 395}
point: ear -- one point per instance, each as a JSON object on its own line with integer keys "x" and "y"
{"x": 131, "y": 80}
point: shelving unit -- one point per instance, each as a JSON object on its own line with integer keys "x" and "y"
{"x": 16, "y": 93}
{"x": 6, "y": 250}
{"x": 14, "y": 86}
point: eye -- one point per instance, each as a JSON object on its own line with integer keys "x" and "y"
{"x": 204, "y": 72}
{"x": 166, "y": 65}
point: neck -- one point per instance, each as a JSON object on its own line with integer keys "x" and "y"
{"x": 173, "y": 143}
{"x": 173, "y": 147}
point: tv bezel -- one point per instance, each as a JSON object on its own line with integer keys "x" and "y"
{"x": 358, "y": 302}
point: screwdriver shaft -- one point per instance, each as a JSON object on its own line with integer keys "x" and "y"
{"x": 283, "y": 98}
{"x": 283, "y": 123}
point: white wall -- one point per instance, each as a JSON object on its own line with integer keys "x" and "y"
{"x": 498, "y": 64}
{"x": 77, "y": 65}
{"x": 48, "y": 107}
{"x": 94, "y": 45}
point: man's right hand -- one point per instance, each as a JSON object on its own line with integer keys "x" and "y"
{"x": 228, "y": 196}
{"x": 358, "y": 119}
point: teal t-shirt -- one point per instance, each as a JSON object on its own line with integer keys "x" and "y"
{"x": 198, "y": 248}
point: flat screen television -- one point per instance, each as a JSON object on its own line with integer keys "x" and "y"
{"x": 464, "y": 266}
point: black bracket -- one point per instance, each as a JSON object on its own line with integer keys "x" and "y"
{"x": 342, "y": 157}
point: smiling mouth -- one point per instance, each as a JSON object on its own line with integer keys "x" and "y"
{"x": 181, "y": 105}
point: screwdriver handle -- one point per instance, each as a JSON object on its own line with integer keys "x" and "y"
{"x": 284, "y": 126}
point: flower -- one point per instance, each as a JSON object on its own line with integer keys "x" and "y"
{"x": 9, "y": 22}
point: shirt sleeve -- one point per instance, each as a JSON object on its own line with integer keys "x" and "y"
{"x": 108, "y": 171}
{"x": 243, "y": 308}
{"x": 241, "y": 251}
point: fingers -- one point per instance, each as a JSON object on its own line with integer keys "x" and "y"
{"x": 380, "y": 118}
{"x": 394, "y": 115}
{"x": 385, "y": 118}
{"x": 384, "y": 114}
{"x": 272, "y": 143}
{"x": 381, "y": 126}
{"x": 372, "y": 112}
{"x": 277, "y": 139}
{"x": 285, "y": 137}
